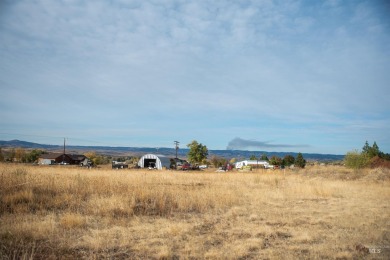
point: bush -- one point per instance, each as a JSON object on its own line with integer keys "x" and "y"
{"x": 378, "y": 162}
{"x": 356, "y": 160}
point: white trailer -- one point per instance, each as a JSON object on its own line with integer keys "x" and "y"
{"x": 253, "y": 163}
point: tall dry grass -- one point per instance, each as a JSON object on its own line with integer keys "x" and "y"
{"x": 68, "y": 212}
{"x": 107, "y": 193}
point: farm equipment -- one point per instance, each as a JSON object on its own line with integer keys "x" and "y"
{"x": 86, "y": 163}
{"x": 119, "y": 165}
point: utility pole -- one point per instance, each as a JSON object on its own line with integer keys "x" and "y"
{"x": 176, "y": 146}
{"x": 63, "y": 155}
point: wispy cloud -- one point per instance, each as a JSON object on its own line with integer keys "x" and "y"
{"x": 240, "y": 144}
{"x": 194, "y": 63}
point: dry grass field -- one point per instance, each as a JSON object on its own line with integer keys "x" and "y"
{"x": 72, "y": 213}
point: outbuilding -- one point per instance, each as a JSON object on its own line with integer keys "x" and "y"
{"x": 153, "y": 161}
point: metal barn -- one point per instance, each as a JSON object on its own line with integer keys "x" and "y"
{"x": 154, "y": 161}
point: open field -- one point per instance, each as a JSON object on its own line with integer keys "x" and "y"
{"x": 315, "y": 213}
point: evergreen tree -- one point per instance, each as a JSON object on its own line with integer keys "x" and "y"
{"x": 375, "y": 150}
{"x": 275, "y": 160}
{"x": 371, "y": 151}
{"x": 385, "y": 156}
{"x": 300, "y": 161}
{"x": 264, "y": 157}
{"x": 288, "y": 160}
{"x": 366, "y": 148}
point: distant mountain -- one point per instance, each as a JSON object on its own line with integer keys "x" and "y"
{"x": 171, "y": 152}
{"x": 239, "y": 154}
{"x": 24, "y": 144}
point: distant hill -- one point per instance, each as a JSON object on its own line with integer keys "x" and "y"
{"x": 24, "y": 144}
{"x": 182, "y": 152}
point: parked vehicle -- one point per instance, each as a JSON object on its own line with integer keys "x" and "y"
{"x": 186, "y": 167}
{"x": 86, "y": 163}
{"x": 119, "y": 165}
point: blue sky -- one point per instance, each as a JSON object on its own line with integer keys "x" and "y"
{"x": 300, "y": 76}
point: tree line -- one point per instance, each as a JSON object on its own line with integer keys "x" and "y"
{"x": 198, "y": 154}
{"x": 20, "y": 155}
{"x": 370, "y": 156}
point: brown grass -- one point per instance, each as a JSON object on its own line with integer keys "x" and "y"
{"x": 315, "y": 213}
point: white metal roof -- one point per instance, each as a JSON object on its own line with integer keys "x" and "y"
{"x": 161, "y": 160}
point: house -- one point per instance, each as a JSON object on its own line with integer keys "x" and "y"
{"x": 61, "y": 158}
{"x": 77, "y": 158}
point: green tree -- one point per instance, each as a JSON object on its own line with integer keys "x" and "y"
{"x": 385, "y": 156}
{"x": 371, "y": 151}
{"x": 32, "y": 156}
{"x": 197, "y": 153}
{"x": 366, "y": 148}
{"x": 375, "y": 150}
{"x": 300, "y": 161}
{"x": 253, "y": 157}
{"x": 264, "y": 157}
{"x": 275, "y": 160}
{"x": 288, "y": 160}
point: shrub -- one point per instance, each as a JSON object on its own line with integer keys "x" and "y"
{"x": 356, "y": 160}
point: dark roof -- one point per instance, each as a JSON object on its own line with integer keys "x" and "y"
{"x": 50, "y": 155}
{"x": 76, "y": 157}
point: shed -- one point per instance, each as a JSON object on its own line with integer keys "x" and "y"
{"x": 154, "y": 161}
